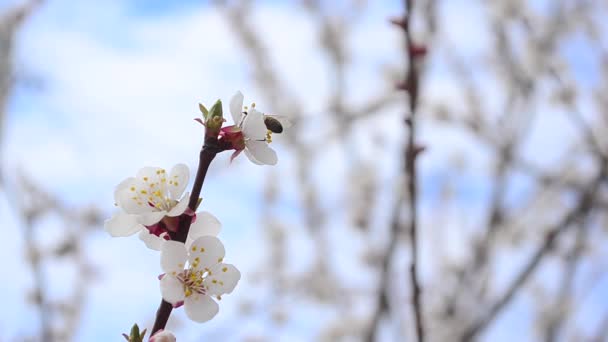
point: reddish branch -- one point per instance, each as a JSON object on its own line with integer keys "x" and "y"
{"x": 410, "y": 84}
{"x": 411, "y": 152}
{"x": 208, "y": 152}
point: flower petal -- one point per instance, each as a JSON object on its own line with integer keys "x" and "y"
{"x": 152, "y": 241}
{"x": 253, "y": 126}
{"x": 178, "y": 180}
{"x": 262, "y": 152}
{"x": 252, "y": 158}
{"x": 122, "y": 224}
{"x": 154, "y": 179}
{"x": 173, "y": 256}
{"x": 171, "y": 289}
{"x": 236, "y": 107}
{"x": 132, "y": 197}
{"x": 120, "y": 187}
{"x": 205, "y": 252}
{"x": 181, "y": 206}
{"x": 200, "y": 308}
{"x": 150, "y": 174}
{"x": 222, "y": 279}
{"x": 206, "y": 225}
{"x": 148, "y": 219}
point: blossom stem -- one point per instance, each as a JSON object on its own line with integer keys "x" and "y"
{"x": 210, "y": 149}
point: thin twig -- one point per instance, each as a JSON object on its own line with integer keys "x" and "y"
{"x": 585, "y": 204}
{"x": 558, "y": 315}
{"x": 411, "y": 151}
{"x": 382, "y": 305}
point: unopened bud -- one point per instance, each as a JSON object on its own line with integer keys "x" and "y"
{"x": 163, "y": 336}
{"x": 399, "y": 21}
{"x": 403, "y": 86}
{"x": 214, "y": 119}
{"x": 136, "y": 335}
{"x": 418, "y": 50}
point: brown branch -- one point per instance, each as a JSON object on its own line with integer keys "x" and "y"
{"x": 585, "y": 205}
{"x": 382, "y": 305}
{"x": 208, "y": 152}
{"x": 411, "y": 151}
{"x": 558, "y": 316}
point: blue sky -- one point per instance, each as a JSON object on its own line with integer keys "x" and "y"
{"x": 120, "y": 87}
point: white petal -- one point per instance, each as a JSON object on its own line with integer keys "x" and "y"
{"x": 122, "y": 224}
{"x": 236, "y": 107}
{"x": 205, "y": 252}
{"x": 171, "y": 289}
{"x": 120, "y": 187}
{"x": 178, "y": 180}
{"x": 252, "y": 158}
{"x": 173, "y": 256}
{"x": 253, "y": 125}
{"x": 153, "y": 217}
{"x": 222, "y": 279}
{"x": 132, "y": 197}
{"x": 180, "y": 207}
{"x": 200, "y": 308}
{"x": 262, "y": 152}
{"x": 152, "y": 241}
{"x": 150, "y": 173}
{"x": 154, "y": 179}
{"x": 206, "y": 225}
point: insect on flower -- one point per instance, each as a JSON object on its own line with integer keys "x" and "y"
{"x": 252, "y": 131}
{"x": 276, "y": 123}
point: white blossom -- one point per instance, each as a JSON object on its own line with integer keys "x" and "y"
{"x": 194, "y": 273}
{"x": 151, "y": 203}
{"x": 255, "y": 133}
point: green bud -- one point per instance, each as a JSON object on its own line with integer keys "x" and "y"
{"x": 216, "y": 110}
{"x": 215, "y": 118}
{"x": 135, "y": 335}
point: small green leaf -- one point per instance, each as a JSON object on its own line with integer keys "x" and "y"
{"x": 216, "y": 110}
{"x": 203, "y": 110}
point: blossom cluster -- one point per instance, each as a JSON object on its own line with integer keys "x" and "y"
{"x": 154, "y": 203}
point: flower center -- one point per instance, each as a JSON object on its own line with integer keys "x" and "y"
{"x": 154, "y": 192}
{"x": 159, "y": 201}
{"x": 192, "y": 280}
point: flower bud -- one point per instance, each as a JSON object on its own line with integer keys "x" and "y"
{"x": 399, "y": 21}
{"x": 163, "y": 336}
{"x": 214, "y": 119}
{"x": 135, "y": 335}
{"x": 418, "y": 51}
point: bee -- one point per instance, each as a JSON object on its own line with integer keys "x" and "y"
{"x": 276, "y": 123}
